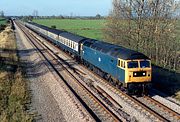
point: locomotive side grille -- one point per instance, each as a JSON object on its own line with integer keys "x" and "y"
{"x": 139, "y": 74}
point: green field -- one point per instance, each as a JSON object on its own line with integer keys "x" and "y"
{"x": 87, "y": 28}
{"x": 3, "y": 21}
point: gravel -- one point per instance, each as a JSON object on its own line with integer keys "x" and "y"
{"x": 51, "y": 99}
{"x": 167, "y": 101}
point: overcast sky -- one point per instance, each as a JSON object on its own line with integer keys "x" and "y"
{"x": 56, "y": 7}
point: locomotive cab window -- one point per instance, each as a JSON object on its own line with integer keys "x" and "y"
{"x": 133, "y": 64}
{"x": 144, "y": 64}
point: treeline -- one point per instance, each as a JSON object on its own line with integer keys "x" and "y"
{"x": 148, "y": 26}
{"x": 30, "y": 18}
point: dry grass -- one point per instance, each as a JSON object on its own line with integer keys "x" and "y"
{"x": 13, "y": 87}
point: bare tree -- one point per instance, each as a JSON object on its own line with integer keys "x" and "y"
{"x": 147, "y": 26}
{"x": 98, "y": 16}
{"x": 1, "y": 13}
{"x": 35, "y": 13}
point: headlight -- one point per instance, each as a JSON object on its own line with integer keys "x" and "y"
{"x": 135, "y": 73}
{"x": 144, "y": 73}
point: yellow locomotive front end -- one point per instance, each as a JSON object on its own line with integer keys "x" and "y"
{"x": 138, "y": 76}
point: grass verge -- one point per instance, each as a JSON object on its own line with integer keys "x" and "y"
{"x": 14, "y": 95}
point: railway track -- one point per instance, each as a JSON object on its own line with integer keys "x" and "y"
{"x": 146, "y": 105}
{"x": 160, "y": 108}
{"x": 94, "y": 106}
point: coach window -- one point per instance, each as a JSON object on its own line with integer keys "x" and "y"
{"x": 66, "y": 42}
{"x": 74, "y": 46}
{"x": 71, "y": 44}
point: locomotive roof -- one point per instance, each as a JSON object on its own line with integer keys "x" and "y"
{"x": 114, "y": 50}
{"x": 72, "y": 37}
{"x": 55, "y": 31}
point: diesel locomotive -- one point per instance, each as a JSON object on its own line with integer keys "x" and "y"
{"x": 121, "y": 66}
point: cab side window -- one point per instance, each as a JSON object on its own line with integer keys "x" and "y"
{"x": 121, "y": 63}
{"x": 124, "y": 66}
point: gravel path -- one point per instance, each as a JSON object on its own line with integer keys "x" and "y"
{"x": 50, "y": 98}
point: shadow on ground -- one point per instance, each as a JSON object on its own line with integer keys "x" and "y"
{"x": 9, "y": 64}
{"x": 31, "y": 69}
{"x": 166, "y": 81}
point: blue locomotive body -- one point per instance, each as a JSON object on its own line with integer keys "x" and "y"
{"x": 102, "y": 60}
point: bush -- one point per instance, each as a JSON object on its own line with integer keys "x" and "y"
{"x": 53, "y": 26}
{"x": 2, "y": 27}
